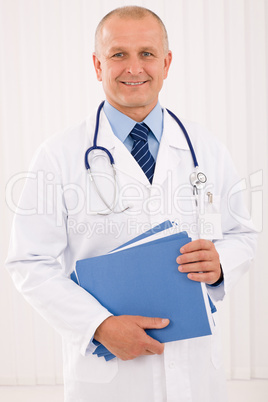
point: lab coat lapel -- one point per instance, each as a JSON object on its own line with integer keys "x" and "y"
{"x": 124, "y": 161}
{"x": 168, "y": 158}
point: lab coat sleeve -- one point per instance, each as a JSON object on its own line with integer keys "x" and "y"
{"x": 237, "y": 247}
{"x": 38, "y": 240}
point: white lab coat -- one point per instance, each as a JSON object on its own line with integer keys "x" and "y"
{"x": 61, "y": 228}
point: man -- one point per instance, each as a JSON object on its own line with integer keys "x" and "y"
{"x": 131, "y": 59}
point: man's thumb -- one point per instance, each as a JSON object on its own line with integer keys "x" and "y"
{"x": 153, "y": 322}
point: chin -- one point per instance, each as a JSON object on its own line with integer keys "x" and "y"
{"x": 136, "y": 102}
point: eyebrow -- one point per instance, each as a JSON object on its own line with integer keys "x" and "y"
{"x": 149, "y": 49}
{"x": 116, "y": 50}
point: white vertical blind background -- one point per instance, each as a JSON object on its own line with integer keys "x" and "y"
{"x": 218, "y": 78}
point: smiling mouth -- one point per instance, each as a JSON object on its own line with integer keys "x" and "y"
{"x": 133, "y": 83}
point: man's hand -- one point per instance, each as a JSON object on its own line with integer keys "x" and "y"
{"x": 201, "y": 259}
{"x": 125, "y": 336}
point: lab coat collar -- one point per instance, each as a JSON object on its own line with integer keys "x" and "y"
{"x": 168, "y": 157}
{"x": 122, "y": 125}
{"x": 123, "y": 159}
{"x": 173, "y": 133}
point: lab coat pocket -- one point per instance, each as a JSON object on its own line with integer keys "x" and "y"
{"x": 209, "y": 221}
{"x": 91, "y": 368}
{"x": 216, "y": 346}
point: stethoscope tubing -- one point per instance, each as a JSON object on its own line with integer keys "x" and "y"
{"x": 186, "y": 137}
{"x": 95, "y": 146}
{"x": 197, "y": 178}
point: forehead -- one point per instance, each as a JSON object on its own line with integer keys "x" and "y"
{"x": 117, "y": 31}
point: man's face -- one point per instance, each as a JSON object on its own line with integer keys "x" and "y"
{"x": 132, "y": 64}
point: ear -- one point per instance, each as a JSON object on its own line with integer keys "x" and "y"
{"x": 167, "y": 62}
{"x": 97, "y": 65}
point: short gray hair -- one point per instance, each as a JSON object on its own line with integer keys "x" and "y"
{"x": 134, "y": 12}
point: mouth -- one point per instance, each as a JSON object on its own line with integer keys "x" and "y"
{"x": 133, "y": 84}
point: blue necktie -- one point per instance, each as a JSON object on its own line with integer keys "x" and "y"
{"x": 140, "y": 149}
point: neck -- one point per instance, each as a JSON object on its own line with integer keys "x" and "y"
{"x": 138, "y": 113}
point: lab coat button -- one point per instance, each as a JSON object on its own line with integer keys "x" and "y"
{"x": 171, "y": 365}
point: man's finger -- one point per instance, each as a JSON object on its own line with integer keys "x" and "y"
{"x": 195, "y": 268}
{"x": 152, "y": 322}
{"x": 207, "y": 277}
{"x": 200, "y": 244}
{"x": 200, "y": 255}
{"x": 154, "y": 347}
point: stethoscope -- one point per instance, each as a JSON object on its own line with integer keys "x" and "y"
{"x": 197, "y": 178}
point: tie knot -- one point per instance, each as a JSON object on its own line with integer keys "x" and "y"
{"x": 140, "y": 132}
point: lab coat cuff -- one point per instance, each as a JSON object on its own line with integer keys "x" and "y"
{"x": 88, "y": 346}
{"x": 216, "y": 293}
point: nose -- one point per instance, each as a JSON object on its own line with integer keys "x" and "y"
{"x": 134, "y": 66}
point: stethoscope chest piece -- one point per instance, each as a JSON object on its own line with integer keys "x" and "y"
{"x": 198, "y": 179}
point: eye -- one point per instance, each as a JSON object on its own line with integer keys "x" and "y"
{"x": 147, "y": 54}
{"x": 118, "y": 55}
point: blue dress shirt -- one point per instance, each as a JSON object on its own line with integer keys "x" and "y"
{"x": 122, "y": 126}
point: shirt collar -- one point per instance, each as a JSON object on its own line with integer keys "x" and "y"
{"x": 122, "y": 124}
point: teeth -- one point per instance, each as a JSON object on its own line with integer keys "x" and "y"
{"x": 134, "y": 83}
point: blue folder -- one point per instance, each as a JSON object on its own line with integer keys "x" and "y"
{"x": 156, "y": 229}
{"x": 144, "y": 280}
